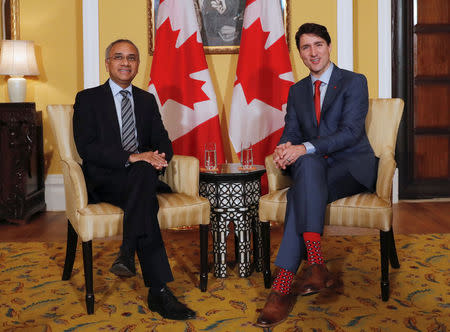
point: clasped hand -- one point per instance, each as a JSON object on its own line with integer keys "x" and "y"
{"x": 286, "y": 154}
{"x": 156, "y": 159}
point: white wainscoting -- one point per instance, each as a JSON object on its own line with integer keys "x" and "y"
{"x": 54, "y": 193}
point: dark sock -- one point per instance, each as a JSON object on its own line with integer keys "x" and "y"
{"x": 157, "y": 288}
{"x": 127, "y": 249}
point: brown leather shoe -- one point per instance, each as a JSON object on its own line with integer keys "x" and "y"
{"x": 314, "y": 278}
{"x": 277, "y": 308}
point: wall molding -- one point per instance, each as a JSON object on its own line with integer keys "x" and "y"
{"x": 384, "y": 49}
{"x": 345, "y": 34}
{"x": 90, "y": 44}
{"x": 55, "y": 198}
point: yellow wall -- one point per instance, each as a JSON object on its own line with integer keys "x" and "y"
{"x": 56, "y": 28}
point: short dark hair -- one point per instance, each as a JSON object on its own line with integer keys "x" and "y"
{"x": 312, "y": 28}
{"x": 108, "y": 49}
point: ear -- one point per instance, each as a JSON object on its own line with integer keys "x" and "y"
{"x": 106, "y": 65}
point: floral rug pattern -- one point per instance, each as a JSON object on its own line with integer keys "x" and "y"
{"x": 34, "y": 298}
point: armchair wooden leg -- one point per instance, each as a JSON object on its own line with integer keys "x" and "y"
{"x": 88, "y": 275}
{"x": 71, "y": 247}
{"x": 203, "y": 257}
{"x": 393, "y": 258}
{"x": 384, "y": 251}
{"x": 265, "y": 233}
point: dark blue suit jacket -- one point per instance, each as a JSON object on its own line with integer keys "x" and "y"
{"x": 341, "y": 134}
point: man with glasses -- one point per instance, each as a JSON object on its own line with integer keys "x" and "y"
{"x": 120, "y": 136}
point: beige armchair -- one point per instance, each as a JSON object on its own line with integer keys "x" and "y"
{"x": 369, "y": 210}
{"x": 183, "y": 207}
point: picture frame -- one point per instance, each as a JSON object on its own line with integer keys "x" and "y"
{"x": 220, "y": 23}
{"x": 10, "y": 19}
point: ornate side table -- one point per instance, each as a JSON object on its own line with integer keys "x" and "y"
{"x": 234, "y": 196}
{"x": 22, "y": 162}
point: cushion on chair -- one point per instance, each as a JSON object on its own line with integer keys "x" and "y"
{"x": 361, "y": 210}
{"x": 177, "y": 210}
{"x": 98, "y": 221}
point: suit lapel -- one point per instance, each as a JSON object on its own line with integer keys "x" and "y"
{"x": 110, "y": 111}
{"x": 332, "y": 89}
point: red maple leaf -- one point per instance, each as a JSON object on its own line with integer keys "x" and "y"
{"x": 259, "y": 69}
{"x": 172, "y": 66}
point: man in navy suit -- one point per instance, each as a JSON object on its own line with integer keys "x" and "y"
{"x": 325, "y": 149}
{"x": 120, "y": 136}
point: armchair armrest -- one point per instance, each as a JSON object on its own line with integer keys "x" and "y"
{"x": 386, "y": 169}
{"x": 74, "y": 187}
{"x": 276, "y": 179}
{"x": 182, "y": 175}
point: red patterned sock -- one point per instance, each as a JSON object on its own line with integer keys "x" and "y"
{"x": 283, "y": 281}
{"x": 312, "y": 243}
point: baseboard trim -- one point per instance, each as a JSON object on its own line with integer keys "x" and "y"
{"x": 55, "y": 198}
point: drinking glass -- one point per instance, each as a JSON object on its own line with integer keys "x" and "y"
{"x": 210, "y": 156}
{"x": 246, "y": 155}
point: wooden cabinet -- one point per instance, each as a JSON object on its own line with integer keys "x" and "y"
{"x": 21, "y": 162}
{"x": 421, "y": 77}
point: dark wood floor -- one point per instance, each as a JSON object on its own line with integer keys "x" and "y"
{"x": 410, "y": 217}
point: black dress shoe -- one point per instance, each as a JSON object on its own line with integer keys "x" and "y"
{"x": 124, "y": 265}
{"x": 168, "y": 306}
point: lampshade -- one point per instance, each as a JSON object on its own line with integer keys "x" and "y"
{"x": 17, "y": 58}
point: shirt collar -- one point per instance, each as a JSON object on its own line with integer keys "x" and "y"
{"x": 115, "y": 88}
{"x": 325, "y": 77}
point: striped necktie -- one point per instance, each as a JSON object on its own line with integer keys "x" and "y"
{"x": 128, "y": 127}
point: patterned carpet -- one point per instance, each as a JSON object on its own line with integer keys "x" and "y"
{"x": 33, "y": 297}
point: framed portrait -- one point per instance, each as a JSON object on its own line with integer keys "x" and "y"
{"x": 220, "y": 23}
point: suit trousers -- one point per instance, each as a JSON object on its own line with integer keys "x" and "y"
{"x": 134, "y": 190}
{"x": 316, "y": 182}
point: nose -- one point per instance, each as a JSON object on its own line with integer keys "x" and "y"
{"x": 313, "y": 51}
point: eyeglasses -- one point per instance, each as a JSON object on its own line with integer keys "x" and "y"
{"x": 120, "y": 57}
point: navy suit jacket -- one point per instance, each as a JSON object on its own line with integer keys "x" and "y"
{"x": 341, "y": 134}
{"x": 97, "y": 132}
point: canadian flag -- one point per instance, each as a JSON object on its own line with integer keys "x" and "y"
{"x": 263, "y": 78}
{"x": 181, "y": 83}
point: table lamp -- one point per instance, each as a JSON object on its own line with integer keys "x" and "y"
{"x": 17, "y": 59}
